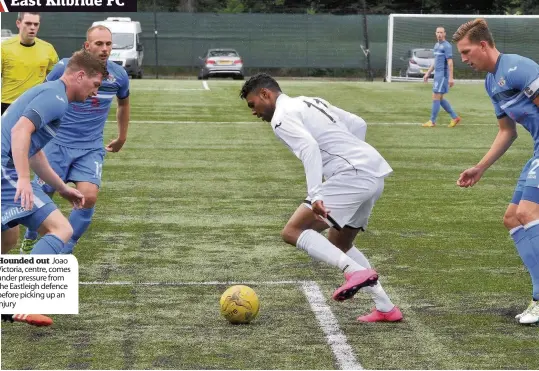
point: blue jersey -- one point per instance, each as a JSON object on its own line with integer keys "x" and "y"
{"x": 512, "y": 88}
{"x": 83, "y": 124}
{"x": 44, "y": 105}
{"x": 442, "y": 52}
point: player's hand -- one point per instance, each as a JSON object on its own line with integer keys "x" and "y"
{"x": 115, "y": 145}
{"x": 25, "y": 193}
{"x": 72, "y": 195}
{"x": 470, "y": 176}
{"x": 451, "y": 82}
{"x": 426, "y": 77}
{"x": 319, "y": 208}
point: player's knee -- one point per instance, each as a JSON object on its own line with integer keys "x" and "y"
{"x": 525, "y": 215}
{"x": 61, "y": 229}
{"x": 90, "y": 200}
{"x": 510, "y": 221}
{"x": 290, "y": 235}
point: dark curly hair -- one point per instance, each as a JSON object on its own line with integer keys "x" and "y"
{"x": 259, "y": 81}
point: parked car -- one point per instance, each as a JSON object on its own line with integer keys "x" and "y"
{"x": 221, "y": 62}
{"x": 417, "y": 62}
{"x": 6, "y": 34}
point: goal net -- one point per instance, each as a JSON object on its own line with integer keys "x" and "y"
{"x": 411, "y": 38}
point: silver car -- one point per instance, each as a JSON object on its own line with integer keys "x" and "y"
{"x": 417, "y": 62}
{"x": 221, "y": 62}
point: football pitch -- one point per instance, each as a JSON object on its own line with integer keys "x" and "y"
{"x": 196, "y": 200}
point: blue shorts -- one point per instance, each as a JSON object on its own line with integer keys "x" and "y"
{"x": 528, "y": 183}
{"x": 440, "y": 85}
{"x": 74, "y": 164}
{"x": 12, "y": 212}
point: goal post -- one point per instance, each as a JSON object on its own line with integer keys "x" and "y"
{"x": 407, "y": 32}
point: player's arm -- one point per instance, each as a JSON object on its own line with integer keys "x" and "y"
{"x": 20, "y": 146}
{"x": 43, "y": 169}
{"x": 122, "y": 116}
{"x": 448, "y": 51}
{"x": 123, "y": 113}
{"x": 450, "y": 67}
{"x": 56, "y": 72}
{"x": 507, "y": 133}
{"x": 292, "y": 132}
{"x": 427, "y": 74}
{"x": 355, "y": 124}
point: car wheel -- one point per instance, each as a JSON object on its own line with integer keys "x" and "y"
{"x": 238, "y": 77}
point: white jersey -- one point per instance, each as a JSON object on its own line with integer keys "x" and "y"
{"x": 327, "y": 139}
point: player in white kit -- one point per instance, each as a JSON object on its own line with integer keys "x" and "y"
{"x": 345, "y": 177}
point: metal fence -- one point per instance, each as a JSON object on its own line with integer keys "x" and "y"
{"x": 275, "y": 41}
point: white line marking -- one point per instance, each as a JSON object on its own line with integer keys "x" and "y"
{"x": 205, "y": 84}
{"x": 207, "y": 283}
{"x": 261, "y": 122}
{"x": 336, "y": 339}
{"x": 346, "y": 360}
{"x": 170, "y": 89}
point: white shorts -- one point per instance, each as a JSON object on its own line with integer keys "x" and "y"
{"x": 350, "y": 198}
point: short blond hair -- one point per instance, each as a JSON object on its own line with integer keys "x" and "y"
{"x": 476, "y": 30}
{"x": 82, "y": 60}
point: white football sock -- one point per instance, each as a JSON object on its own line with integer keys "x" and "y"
{"x": 318, "y": 247}
{"x": 379, "y": 296}
{"x": 358, "y": 257}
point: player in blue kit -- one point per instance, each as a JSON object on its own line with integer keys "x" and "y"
{"x": 443, "y": 79}
{"x": 77, "y": 151}
{"x": 512, "y": 84}
{"x": 29, "y": 123}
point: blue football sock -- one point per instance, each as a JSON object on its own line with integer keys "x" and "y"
{"x": 80, "y": 220}
{"x": 30, "y": 235}
{"x": 435, "y": 110}
{"x": 447, "y": 107}
{"x": 48, "y": 244}
{"x": 530, "y": 254}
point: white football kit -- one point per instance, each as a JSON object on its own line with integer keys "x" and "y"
{"x": 331, "y": 144}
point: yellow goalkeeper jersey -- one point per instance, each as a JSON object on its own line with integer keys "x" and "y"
{"x": 24, "y": 66}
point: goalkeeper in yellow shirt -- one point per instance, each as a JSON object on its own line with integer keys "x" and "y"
{"x": 26, "y": 60}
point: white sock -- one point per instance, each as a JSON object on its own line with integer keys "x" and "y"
{"x": 318, "y": 247}
{"x": 379, "y": 296}
{"x": 358, "y": 257}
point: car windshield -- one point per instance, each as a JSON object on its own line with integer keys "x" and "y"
{"x": 6, "y": 33}
{"x": 122, "y": 40}
{"x": 424, "y": 54}
{"x": 222, "y": 53}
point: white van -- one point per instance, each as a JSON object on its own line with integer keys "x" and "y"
{"x": 127, "y": 49}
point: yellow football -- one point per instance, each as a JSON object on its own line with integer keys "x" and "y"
{"x": 239, "y": 304}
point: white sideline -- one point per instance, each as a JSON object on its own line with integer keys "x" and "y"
{"x": 170, "y": 89}
{"x": 336, "y": 339}
{"x": 346, "y": 360}
{"x": 191, "y": 283}
{"x": 418, "y": 124}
